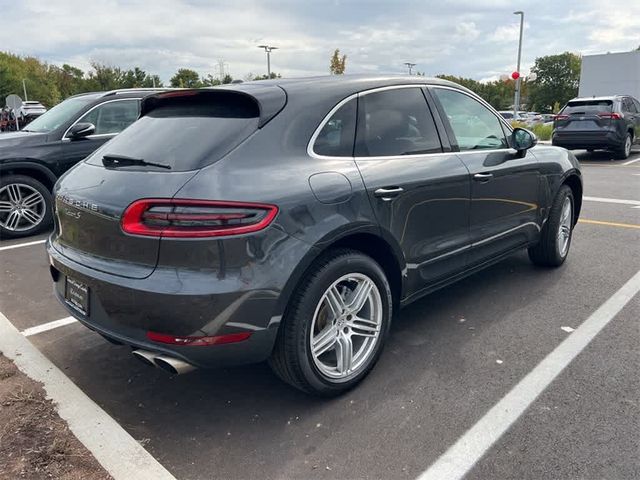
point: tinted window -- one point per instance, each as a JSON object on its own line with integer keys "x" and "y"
{"x": 474, "y": 125}
{"x": 337, "y": 136}
{"x": 629, "y": 106}
{"x": 112, "y": 117}
{"x": 60, "y": 114}
{"x": 582, "y": 107}
{"x": 186, "y": 133}
{"x": 395, "y": 122}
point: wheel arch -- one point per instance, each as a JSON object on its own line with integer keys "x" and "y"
{"x": 30, "y": 169}
{"x": 574, "y": 182}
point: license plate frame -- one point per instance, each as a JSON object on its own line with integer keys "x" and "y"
{"x": 76, "y": 295}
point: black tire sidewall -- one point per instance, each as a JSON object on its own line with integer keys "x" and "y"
{"x": 48, "y": 202}
{"x": 327, "y": 274}
{"x": 554, "y": 222}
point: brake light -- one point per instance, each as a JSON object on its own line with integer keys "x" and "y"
{"x": 197, "y": 341}
{"x": 561, "y": 116}
{"x": 612, "y": 116}
{"x": 185, "y": 218}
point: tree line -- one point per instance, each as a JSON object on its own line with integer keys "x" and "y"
{"x": 556, "y": 82}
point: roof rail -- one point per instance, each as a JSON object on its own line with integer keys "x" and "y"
{"x": 142, "y": 89}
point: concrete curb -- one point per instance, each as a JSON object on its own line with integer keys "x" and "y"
{"x": 117, "y": 451}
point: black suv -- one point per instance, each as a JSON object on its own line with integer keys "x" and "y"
{"x": 32, "y": 159}
{"x": 611, "y": 123}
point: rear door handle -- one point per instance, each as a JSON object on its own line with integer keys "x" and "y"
{"x": 387, "y": 193}
{"x": 483, "y": 177}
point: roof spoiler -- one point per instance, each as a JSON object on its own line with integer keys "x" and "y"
{"x": 270, "y": 100}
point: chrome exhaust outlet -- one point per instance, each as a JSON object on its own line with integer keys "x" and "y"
{"x": 173, "y": 365}
{"x": 145, "y": 357}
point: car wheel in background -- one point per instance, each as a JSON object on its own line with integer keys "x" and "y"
{"x": 625, "y": 151}
{"x": 25, "y": 206}
{"x": 555, "y": 238}
{"x": 335, "y": 325}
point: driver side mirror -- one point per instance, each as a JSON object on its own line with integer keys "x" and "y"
{"x": 523, "y": 139}
{"x": 81, "y": 130}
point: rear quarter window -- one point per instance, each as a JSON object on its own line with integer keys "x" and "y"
{"x": 187, "y": 133}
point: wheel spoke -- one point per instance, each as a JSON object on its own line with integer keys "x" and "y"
{"x": 13, "y": 220}
{"x": 13, "y": 191}
{"x": 360, "y": 296}
{"x": 32, "y": 200}
{"x": 363, "y": 327}
{"x": 324, "y": 341}
{"x": 5, "y": 206}
{"x": 335, "y": 301}
{"x": 344, "y": 353}
{"x": 31, "y": 216}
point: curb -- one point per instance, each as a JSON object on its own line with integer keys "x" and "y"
{"x": 117, "y": 451}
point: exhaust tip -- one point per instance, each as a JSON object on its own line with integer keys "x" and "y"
{"x": 173, "y": 365}
{"x": 145, "y": 357}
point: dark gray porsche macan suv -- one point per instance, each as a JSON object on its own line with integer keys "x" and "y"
{"x": 289, "y": 220}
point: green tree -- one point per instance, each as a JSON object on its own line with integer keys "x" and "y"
{"x": 186, "y": 78}
{"x": 105, "y": 77}
{"x": 557, "y": 80}
{"x": 338, "y": 63}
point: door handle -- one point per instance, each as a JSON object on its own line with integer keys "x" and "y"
{"x": 483, "y": 177}
{"x": 387, "y": 193}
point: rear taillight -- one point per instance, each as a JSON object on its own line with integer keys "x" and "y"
{"x": 612, "y": 116}
{"x": 182, "y": 218}
{"x": 198, "y": 341}
{"x": 561, "y": 116}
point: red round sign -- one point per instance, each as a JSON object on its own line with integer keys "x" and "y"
{"x": 515, "y": 75}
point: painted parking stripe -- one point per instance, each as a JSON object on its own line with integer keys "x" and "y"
{"x": 471, "y": 447}
{"x": 48, "y": 326}
{"x": 19, "y": 245}
{"x": 608, "y": 224}
{"x": 631, "y": 161}
{"x": 611, "y": 200}
{"x": 117, "y": 451}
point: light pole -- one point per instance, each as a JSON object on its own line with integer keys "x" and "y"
{"x": 268, "y": 49}
{"x": 24, "y": 88}
{"x": 409, "y": 65}
{"x": 516, "y": 103}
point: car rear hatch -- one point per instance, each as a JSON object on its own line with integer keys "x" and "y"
{"x": 585, "y": 116}
{"x": 178, "y": 134}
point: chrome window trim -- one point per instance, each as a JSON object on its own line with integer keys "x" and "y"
{"x": 328, "y": 116}
{"x": 99, "y": 135}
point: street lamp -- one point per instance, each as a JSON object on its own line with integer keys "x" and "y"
{"x": 516, "y": 103}
{"x": 409, "y": 65}
{"x": 268, "y": 49}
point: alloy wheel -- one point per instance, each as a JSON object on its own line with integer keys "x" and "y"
{"x": 564, "y": 229}
{"x": 22, "y": 207}
{"x": 346, "y": 326}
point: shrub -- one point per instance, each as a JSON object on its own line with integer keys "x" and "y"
{"x": 542, "y": 131}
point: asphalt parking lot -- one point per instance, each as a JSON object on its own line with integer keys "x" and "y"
{"x": 451, "y": 357}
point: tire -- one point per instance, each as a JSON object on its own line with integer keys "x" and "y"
{"x": 625, "y": 151}
{"x": 551, "y": 251}
{"x": 29, "y": 221}
{"x": 309, "y": 314}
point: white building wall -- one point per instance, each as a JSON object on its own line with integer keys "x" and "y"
{"x": 610, "y": 74}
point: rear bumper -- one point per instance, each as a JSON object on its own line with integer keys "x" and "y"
{"x": 593, "y": 139}
{"x": 183, "y": 304}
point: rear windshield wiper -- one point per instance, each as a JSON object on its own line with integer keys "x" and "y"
{"x": 115, "y": 161}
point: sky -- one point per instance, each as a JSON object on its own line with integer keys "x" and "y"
{"x": 470, "y": 38}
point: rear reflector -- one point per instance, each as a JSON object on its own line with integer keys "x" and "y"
{"x": 198, "y": 341}
{"x": 184, "y": 218}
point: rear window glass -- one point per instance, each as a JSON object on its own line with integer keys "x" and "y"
{"x": 588, "y": 106}
{"x": 186, "y": 133}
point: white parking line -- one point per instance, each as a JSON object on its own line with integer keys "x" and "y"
{"x": 463, "y": 455}
{"x": 18, "y": 245}
{"x": 631, "y": 161}
{"x": 48, "y": 326}
{"x": 117, "y": 451}
{"x": 611, "y": 200}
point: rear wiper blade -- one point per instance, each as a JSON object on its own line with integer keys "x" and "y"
{"x": 115, "y": 161}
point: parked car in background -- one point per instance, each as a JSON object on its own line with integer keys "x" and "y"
{"x": 32, "y": 159}
{"x": 532, "y": 118}
{"x": 508, "y": 115}
{"x": 548, "y": 117}
{"x": 287, "y": 220}
{"x": 611, "y": 123}
{"x": 29, "y": 111}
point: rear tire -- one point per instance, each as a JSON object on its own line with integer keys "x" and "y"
{"x": 555, "y": 239}
{"x": 325, "y": 353}
{"x": 625, "y": 151}
{"x": 26, "y": 207}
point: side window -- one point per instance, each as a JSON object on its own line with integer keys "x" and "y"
{"x": 473, "y": 124}
{"x": 630, "y": 106}
{"x": 337, "y": 135}
{"x": 112, "y": 117}
{"x": 395, "y": 122}
{"x": 636, "y": 104}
